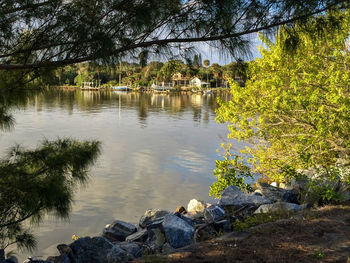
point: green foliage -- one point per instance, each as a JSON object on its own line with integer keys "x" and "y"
{"x": 258, "y": 219}
{"x": 230, "y": 171}
{"x": 295, "y": 108}
{"x": 170, "y": 68}
{"x": 54, "y": 33}
{"x": 143, "y": 57}
{"x": 319, "y": 255}
{"x": 36, "y": 182}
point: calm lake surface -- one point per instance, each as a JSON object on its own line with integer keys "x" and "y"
{"x": 158, "y": 151}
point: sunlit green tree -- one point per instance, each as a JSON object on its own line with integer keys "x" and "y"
{"x": 295, "y": 107}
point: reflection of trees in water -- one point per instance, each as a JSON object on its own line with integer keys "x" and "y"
{"x": 144, "y": 103}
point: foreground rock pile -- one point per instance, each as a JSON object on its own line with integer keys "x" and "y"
{"x": 160, "y": 231}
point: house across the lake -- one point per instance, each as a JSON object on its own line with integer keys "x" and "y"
{"x": 180, "y": 80}
{"x": 198, "y": 83}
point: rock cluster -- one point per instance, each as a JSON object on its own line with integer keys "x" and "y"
{"x": 161, "y": 231}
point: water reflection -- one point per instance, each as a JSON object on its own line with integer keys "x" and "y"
{"x": 95, "y": 101}
{"x": 159, "y": 151}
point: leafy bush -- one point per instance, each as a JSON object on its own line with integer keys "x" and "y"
{"x": 295, "y": 108}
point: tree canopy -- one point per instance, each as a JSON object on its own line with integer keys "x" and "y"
{"x": 45, "y": 33}
{"x": 295, "y": 108}
{"x": 40, "y": 181}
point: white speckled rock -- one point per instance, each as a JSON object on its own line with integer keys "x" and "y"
{"x": 233, "y": 196}
{"x": 270, "y": 208}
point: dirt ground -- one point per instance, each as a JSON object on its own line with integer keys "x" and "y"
{"x": 321, "y": 235}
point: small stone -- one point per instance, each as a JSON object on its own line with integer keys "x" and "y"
{"x": 118, "y": 230}
{"x": 65, "y": 250}
{"x": 223, "y": 226}
{"x": 180, "y": 209}
{"x": 205, "y": 232}
{"x": 178, "y": 232}
{"x": 214, "y": 213}
{"x": 140, "y": 236}
{"x": 75, "y": 237}
{"x": 152, "y": 215}
{"x": 196, "y": 207}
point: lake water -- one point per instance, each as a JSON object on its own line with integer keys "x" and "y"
{"x": 158, "y": 151}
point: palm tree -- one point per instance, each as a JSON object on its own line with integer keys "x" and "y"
{"x": 206, "y": 64}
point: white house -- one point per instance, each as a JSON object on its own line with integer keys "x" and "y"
{"x": 197, "y": 83}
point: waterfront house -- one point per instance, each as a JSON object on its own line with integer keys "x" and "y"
{"x": 180, "y": 80}
{"x": 198, "y": 83}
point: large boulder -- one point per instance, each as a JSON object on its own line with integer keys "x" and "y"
{"x": 155, "y": 241}
{"x": 94, "y": 250}
{"x": 140, "y": 236}
{"x": 189, "y": 220}
{"x": 233, "y": 197}
{"x": 276, "y": 194}
{"x": 116, "y": 255}
{"x": 275, "y": 207}
{"x": 133, "y": 250}
{"x": 152, "y": 215}
{"x": 177, "y": 231}
{"x": 118, "y": 230}
{"x": 59, "y": 259}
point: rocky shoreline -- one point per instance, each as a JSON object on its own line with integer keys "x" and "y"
{"x": 161, "y": 231}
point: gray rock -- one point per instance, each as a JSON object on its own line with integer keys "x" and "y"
{"x": 118, "y": 230}
{"x": 167, "y": 249}
{"x": 64, "y": 250}
{"x": 34, "y": 260}
{"x": 214, "y": 213}
{"x": 276, "y": 194}
{"x": 133, "y": 250}
{"x": 156, "y": 239}
{"x": 223, "y": 226}
{"x": 232, "y": 196}
{"x": 188, "y": 220}
{"x": 140, "y": 236}
{"x": 271, "y": 208}
{"x": 12, "y": 259}
{"x": 177, "y": 231}
{"x": 116, "y": 255}
{"x": 59, "y": 259}
{"x": 156, "y": 224}
{"x": 196, "y": 206}
{"x": 94, "y": 250}
{"x": 152, "y": 215}
{"x": 205, "y": 232}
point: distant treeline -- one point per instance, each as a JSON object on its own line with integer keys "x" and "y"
{"x": 146, "y": 73}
